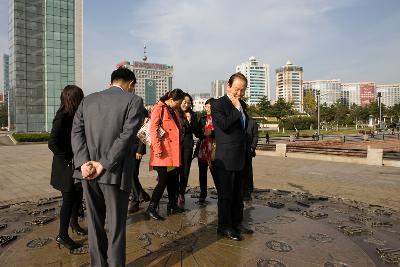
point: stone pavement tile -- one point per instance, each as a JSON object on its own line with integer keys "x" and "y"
{"x": 190, "y": 239}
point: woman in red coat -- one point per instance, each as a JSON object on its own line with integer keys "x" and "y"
{"x": 165, "y": 152}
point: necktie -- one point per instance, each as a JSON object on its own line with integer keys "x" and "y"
{"x": 241, "y": 117}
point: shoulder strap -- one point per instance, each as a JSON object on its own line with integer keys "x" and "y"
{"x": 162, "y": 115}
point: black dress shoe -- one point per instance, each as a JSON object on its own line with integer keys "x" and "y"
{"x": 133, "y": 207}
{"x": 247, "y": 198}
{"x": 230, "y": 234}
{"x": 152, "y": 212}
{"x": 174, "y": 209}
{"x": 243, "y": 230}
{"x": 76, "y": 228}
{"x": 145, "y": 196}
{"x": 67, "y": 243}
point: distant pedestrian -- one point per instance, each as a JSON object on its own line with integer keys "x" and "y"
{"x": 267, "y": 138}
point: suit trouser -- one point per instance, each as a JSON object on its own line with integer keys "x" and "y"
{"x": 230, "y": 198}
{"x": 136, "y": 186}
{"x": 249, "y": 181}
{"x": 203, "y": 167}
{"x": 105, "y": 199}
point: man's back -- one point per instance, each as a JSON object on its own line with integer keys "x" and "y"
{"x": 103, "y": 116}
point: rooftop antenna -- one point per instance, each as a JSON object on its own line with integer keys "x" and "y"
{"x": 144, "y": 53}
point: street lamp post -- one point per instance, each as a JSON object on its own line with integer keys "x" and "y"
{"x": 380, "y": 110}
{"x": 318, "y": 99}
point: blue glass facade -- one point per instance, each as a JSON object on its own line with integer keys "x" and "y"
{"x": 42, "y": 60}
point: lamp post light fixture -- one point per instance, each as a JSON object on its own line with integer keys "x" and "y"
{"x": 318, "y": 100}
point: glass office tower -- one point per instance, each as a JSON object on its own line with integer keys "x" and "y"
{"x": 45, "y": 56}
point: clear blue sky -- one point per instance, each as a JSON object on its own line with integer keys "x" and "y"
{"x": 351, "y": 40}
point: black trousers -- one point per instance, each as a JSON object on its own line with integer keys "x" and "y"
{"x": 137, "y": 188}
{"x": 184, "y": 170}
{"x": 69, "y": 209}
{"x": 248, "y": 187}
{"x": 203, "y": 167}
{"x": 230, "y": 198}
{"x": 166, "y": 179}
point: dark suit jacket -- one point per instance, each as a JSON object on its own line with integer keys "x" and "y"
{"x": 60, "y": 144}
{"x": 252, "y": 137}
{"x": 104, "y": 130}
{"x": 230, "y": 136}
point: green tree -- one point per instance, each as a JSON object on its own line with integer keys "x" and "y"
{"x": 252, "y": 111}
{"x": 394, "y": 112}
{"x": 3, "y": 115}
{"x": 281, "y": 109}
{"x": 326, "y": 113}
{"x": 355, "y": 112}
{"x": 341, "y": 113}
{"x": 309, "y": 103}
{"x": 264, "y": 107}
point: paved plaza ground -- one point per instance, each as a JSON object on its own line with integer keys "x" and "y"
{"x": 361, "y": 215}
{"x": 25, "y": 174}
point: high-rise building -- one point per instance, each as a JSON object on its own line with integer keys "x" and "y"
{"x": 6, "y": 76}
{"x": 329, "y": 90}
{"x": 289, "y": 79}
{"x": 390, "y": 94}
{"x": 45, "y": 56}
{"x": 153, "y": 79}
{"x": 257, "y": 75}
{"x": 218, "y": 88}
{"x": 360, "y": 93}
{"x": 350, "y": 94}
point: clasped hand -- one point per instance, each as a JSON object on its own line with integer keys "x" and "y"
{"x": 91, "y": 170}
{"x": 236, "y": 102}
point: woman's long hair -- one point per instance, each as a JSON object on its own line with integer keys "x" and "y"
{"x": 176, "y": 94}
{"x": 191, "y": 102}
{"x": 71, "y": 97}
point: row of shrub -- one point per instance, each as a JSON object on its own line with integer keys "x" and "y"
{"x": 31, "y": 137}
{"x": 299, "y": 123}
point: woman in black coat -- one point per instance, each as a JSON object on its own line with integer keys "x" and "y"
{"x": 189, "y": 127}
{"x": 62, "y": 166}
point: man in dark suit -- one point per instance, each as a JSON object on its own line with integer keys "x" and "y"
{"x": 230, "y": 120}
{"x": 252, "y": 140}
{"x": 102, "y": 137}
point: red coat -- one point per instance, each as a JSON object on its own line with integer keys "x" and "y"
{"x": 169, "y": 145}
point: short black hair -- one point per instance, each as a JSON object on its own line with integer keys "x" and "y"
{"x": 239, "y": 76}
{"x": 208, "y": 101}
{"x": 123, "y": 74}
